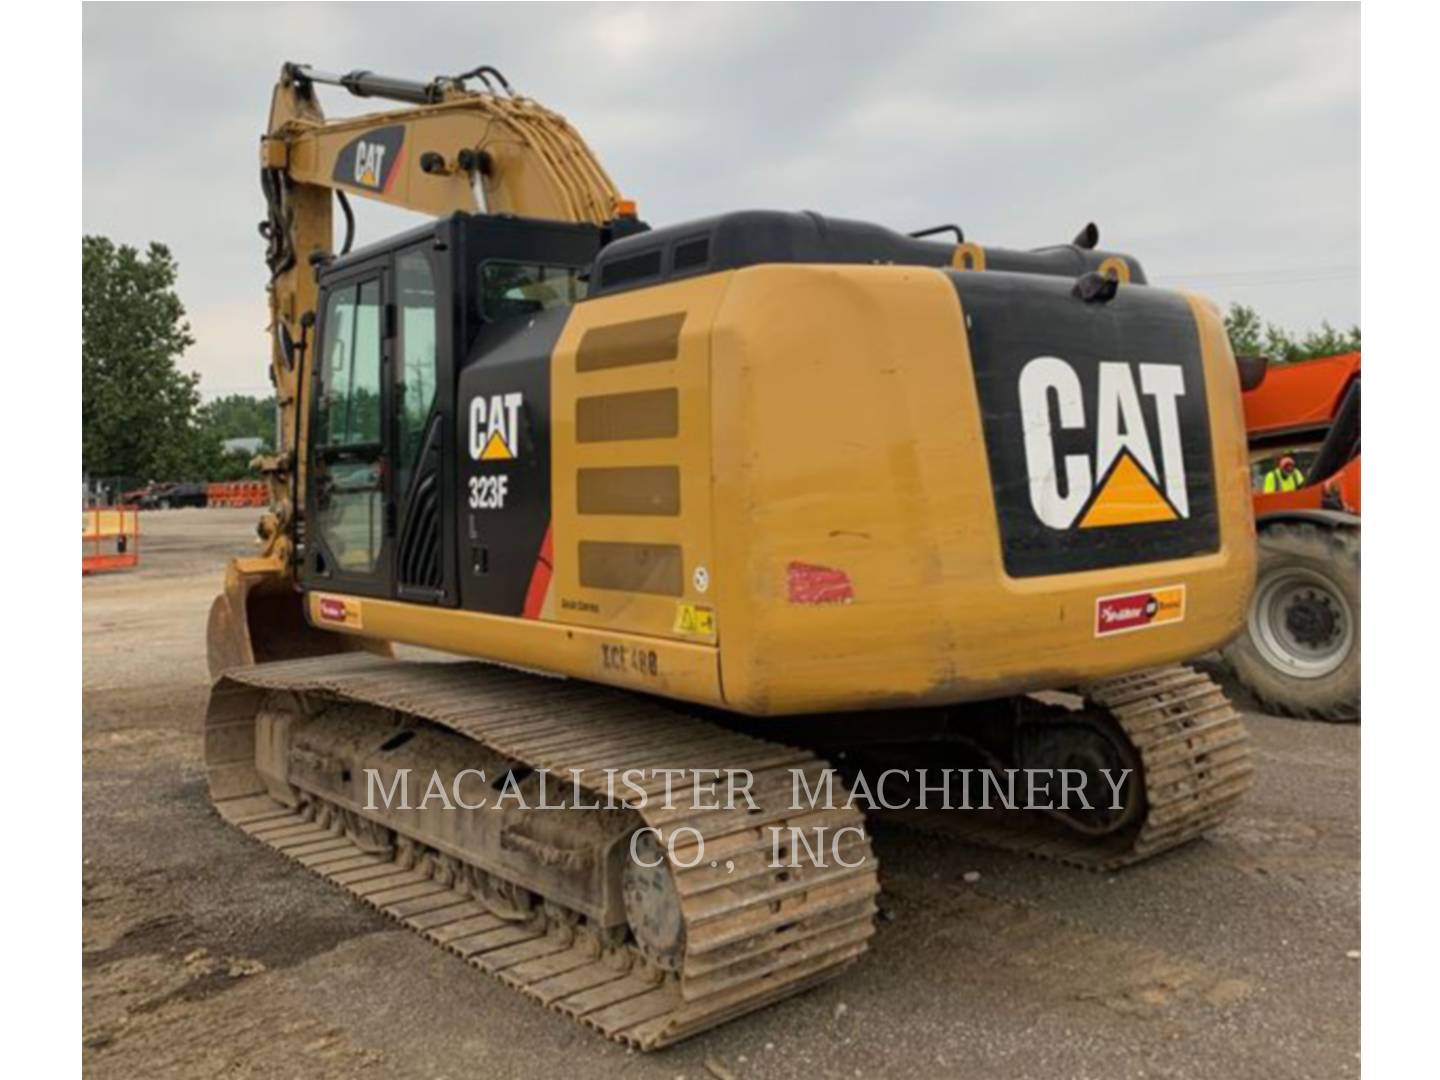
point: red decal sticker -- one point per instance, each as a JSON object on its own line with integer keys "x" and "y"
{"x": 818, "y": 585}
{"x": 1137, "y": 611}
{"x": 339, "y": 609}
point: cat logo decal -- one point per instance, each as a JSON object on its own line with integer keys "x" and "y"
{"x": 1123, "y": 472}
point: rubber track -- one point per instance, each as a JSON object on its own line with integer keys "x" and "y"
{"x": 754, "y": 935}
{"x": 1194, "y": 758}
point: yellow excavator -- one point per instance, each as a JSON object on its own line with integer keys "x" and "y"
{"x": 702, "y": 502}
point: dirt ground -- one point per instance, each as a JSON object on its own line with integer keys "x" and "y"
{"x": 207, "y": 956}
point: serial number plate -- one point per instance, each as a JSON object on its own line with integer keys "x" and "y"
{"x": 629, "y": 659}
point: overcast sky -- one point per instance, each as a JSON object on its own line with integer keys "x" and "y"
{"x": 1217, "y": 143}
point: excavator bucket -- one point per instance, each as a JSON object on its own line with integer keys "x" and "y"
{"x": 260, "y": 618}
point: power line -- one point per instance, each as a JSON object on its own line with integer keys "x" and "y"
{"x": 1287, "y": 274}
{"x": 1243, "y": 286}
{"x": 1279, "y": 269}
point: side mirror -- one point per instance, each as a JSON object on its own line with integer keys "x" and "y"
{"x": 1252, "y": 371}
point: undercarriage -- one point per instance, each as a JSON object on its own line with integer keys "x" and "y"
{"x": 595, "y": 850}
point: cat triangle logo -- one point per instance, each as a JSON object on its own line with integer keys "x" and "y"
{"x": 1127, "y": 497}
{"x": 495, "y": 426}
{"x": 496, "y": 449}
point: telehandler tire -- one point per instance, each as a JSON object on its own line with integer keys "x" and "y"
{"x": 1299, "y": 652}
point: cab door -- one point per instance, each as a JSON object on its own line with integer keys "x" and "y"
{"x": 349, "y": 522}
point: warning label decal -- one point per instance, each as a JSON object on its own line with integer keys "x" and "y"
{"x": 694, "y": 619}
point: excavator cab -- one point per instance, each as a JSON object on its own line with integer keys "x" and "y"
{"x": 398, "y": 321}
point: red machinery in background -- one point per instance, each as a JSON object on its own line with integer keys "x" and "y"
{"x": 1300, "y": 650}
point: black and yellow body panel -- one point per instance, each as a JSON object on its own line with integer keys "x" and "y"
{"x": 776, "y": 481}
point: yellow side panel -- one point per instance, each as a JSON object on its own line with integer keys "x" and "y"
{"x": 631, "y": 439}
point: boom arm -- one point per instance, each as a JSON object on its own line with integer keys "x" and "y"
{"x": 520, "y": 157}
{"x": 455, "y": 150}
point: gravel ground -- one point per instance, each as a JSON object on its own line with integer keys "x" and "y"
{"x": 205, "y": 955}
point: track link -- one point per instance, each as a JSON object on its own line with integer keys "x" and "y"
{"x": 1195, "y": 763}
{"x": 1194, "y": 753}
{"x": 754, "y": 933}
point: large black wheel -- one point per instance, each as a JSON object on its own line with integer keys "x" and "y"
{"x": 1299, "y": 653}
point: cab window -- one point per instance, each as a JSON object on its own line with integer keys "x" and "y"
{"x": 346, "y": 452}
{"x": 350, "y": 379}
{"x": 415, "y": 288}
{"x": 510, "y": 289}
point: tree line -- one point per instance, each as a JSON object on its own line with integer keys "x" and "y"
{"x": 1250, "y": 335}
{"x": 142, "y": 417}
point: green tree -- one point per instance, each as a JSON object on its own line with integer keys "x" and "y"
{"x": 240, "y": 416}
{"x": 1327, "y": 341}
{"x": 1246, "y": 330}
{"x": 138, "y": 409}
{"x": 231, "y": 467}
{"x": 1252, "y": 336}
{"x": 237, "y": 416}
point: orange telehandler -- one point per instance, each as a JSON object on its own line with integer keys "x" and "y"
{"x": 1300, "y": 649}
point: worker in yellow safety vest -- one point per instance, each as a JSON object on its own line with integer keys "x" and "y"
{"x": 1284, "y": 477}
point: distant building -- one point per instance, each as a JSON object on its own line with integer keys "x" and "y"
{"x": 248, "y": 446}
